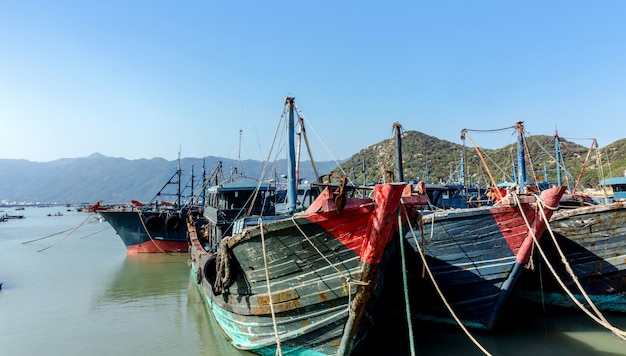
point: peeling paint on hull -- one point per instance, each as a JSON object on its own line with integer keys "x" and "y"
{"x": 593, "y": 240}
{"x": 326, "y": 271}
{"x": 476, "y": 256}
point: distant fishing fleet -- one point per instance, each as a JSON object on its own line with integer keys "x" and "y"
{"x": 300, "y": 267}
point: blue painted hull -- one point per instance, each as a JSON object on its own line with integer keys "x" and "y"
{"x": 149, "y": 231}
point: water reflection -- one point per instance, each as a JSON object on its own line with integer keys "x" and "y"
{"x": 211, "y": 335}
{"x": 144, "y": 276}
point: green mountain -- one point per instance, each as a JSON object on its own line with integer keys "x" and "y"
{"x": 433, "y": 160}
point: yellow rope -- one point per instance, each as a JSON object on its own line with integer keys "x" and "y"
{"x": 68, "y": 234}
{"x": 405, "y": 283}
{"x": 269, "y": 290}
{"x": 599, "y": 319}
{"x": 493, "y": 181}
{"x": 443, "y": 298}
{"x": 143, "y": 223}
{"x": 348, "y": 279}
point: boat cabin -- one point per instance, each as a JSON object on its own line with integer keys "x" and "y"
{"x": 305, "y": 195}
{"x": 447, "y": 196}
{"x": 618, "y": 185}
{"x": 236, "y": 198}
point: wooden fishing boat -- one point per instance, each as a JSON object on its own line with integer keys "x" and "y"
{"x": 593, "y": 241}
{"x": 476, "y": 255}
{"x": 305, "y": 283}
{"x": 309, "y": 281}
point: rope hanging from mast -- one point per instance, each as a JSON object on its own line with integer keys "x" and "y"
{"x": 482, "y": 159}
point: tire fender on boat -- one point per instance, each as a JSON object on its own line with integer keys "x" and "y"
{"x": 210, "y": 270}
{"x": 153, "y": 223}
{"x": 199, "y": 276}
{"x": 173, "y": 222}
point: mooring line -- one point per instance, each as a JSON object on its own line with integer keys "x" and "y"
{"x": 597, "y": 318}
{"x": 97, "y": 232}
{"x": 279, "y": 350}
{"x": 440, "y": 292}
{"x": 45, "y": 237}
{"x": 66, "y": 236}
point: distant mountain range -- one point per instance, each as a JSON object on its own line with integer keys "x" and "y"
{"x": 118, "y": 180}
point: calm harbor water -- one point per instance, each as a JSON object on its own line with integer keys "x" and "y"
{"x": 80, "y": 294}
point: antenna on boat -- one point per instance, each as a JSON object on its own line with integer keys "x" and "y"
{"x": 240, "y": 134}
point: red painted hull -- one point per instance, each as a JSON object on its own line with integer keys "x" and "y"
{"x": 156, "y": 246}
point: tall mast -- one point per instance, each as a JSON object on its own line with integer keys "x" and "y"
{"x": 179, "y": 173}
{"x": 204, "y": 183}
{"x": 557, "y": 150}
{"x": 192, "y": 197}
{"x": 463, "y": 168}
{"x": 521, "y": 163}
{"x": 399, "y": 170}
{"x": 291, "y": 157}
{"x": 363, "y": 168}
{"x": 299, "y": 134}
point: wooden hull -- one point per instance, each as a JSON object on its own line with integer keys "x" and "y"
{"x": 325, "y": 269}
{"x": 476, "y": 257}
{"x": 593, "y": 240}
{"x": 149, "y": 231}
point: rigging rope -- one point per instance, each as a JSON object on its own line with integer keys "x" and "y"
{"x": 71, "y": 232}
{"x": 492, "y": 130}
{"x": 493, "y": 181}
{"x": 405, "y": 283}
{"x": 599, "y": 318}
{"x": 269, "y": 290}
{"x": 47, "y": 236}
{"x": 300, "y": 115}
{"x": 95, "y": 233}
{"x": 143, "y": 223}
{"x": 347, "y": 278}
{"x": 439, "y": 291}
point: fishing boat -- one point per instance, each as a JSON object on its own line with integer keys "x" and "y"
{"x": 305, "y": 282}
{"x": 592, "y": 241}
{"x": 475, "y": 256}
{"x": 154, "y": 227}
{"x": 149, "y": 231}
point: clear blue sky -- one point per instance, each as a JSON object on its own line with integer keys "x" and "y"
{"x": 141, "y": 79}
